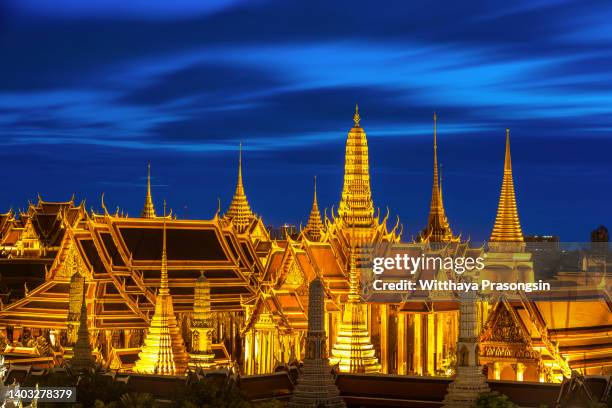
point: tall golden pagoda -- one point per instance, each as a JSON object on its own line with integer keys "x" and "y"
{"x": 239, "y": 212}
{"x": 353, "y": 350}
{"x": 163, "y": 351}
{"x": 507, "y": 233}
{"x": 148, "y": 210}
{"x": 356, "y": 208}
{"x": 314, "y": 227}
{"x": 438, "y": 228}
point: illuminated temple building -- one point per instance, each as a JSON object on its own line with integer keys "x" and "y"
{"x": 163, "y": 295}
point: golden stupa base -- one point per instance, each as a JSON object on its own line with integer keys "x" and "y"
{"x": 353, "y": 351}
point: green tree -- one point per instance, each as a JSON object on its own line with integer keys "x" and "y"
{"x": 94, "y": 385}
{"x": 273, "y": 403}
{"x": 494, "y": 400}
{"x": 137, "y": 400}
{"x": 207, "y": 393}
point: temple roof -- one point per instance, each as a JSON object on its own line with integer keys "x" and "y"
{"x": 123, "y": 257}
{"x": 574, "y": 324}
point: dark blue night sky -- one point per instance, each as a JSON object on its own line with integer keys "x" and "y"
{"x": 89, "y": 93}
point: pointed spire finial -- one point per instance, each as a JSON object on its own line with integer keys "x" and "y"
{"x": 438, "y": 228}
{"x": 149, "y": 178}
{"x": 314, "y": 226}
{"x": 149, "y": 209}
{"x": 164, "y": 261}
{"x": 356, "y": 117}
{"x": 435, "y": 118}
{"x": 240, "y": 164}
{"x": 239, "y": 211}
{"x": 508, "y": 159}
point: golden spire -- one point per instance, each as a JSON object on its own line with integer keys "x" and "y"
{"x": 149, "y": 210}
{"x": 314, "y": 227}
{"x": 163, "y": 351}
{"x": 239, "y": 211}
{"x": 507, "y": 224}
{"x": 353, "y": 350}
{"x": 438, "y": 228}
{"x": 201, "y": 354}
{"x": 356, "y": 207}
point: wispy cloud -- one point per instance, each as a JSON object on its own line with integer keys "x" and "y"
{"x": 133, "y": 9}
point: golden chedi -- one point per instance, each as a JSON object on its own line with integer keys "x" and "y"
{"x": 163, "y": 351}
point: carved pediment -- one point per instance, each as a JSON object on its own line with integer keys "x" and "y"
{"x": 295, "y": 276}
{"x": 504, "y": 326}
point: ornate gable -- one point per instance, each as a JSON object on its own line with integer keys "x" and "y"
{"x": 295, "y": 276}
{"x": 28, "y": 240}
{"x": 505, "y": 337}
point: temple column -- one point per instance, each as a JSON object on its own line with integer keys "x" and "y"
{"x": 418, "y": 331}
{"x": 17, "y": 332}
{"x": 520, "y": 371}
{"x": 327, "y": 322}
{"x": 248, "y": 352}
{"x": 431, "y": 344}
{"x": 127, "y": 338}
{"x": 384, "y": 338}
{"x": 440, "y": 319}
{"x": 424, "y": 351}
{"x": 297, "y": 347}
{"x": 258, "y": 352}
{"x": 401, "y": 344}
{"x": 54, "y": 337}
{"x": 496, "y": 371}
{"x": 332, "y": 321}
{"x": 108, "y": 342}
{"x": 410, "y": 344}
{"x": 271, "y": 350}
